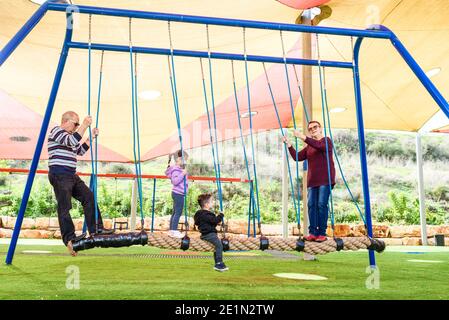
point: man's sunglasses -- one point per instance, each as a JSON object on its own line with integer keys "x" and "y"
{"x": 75, "y": 123}
{"x": 314, "y": 127}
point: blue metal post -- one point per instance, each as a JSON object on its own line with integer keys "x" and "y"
{"x": 39, "y": 145}
{"x": 362, "y": 146}
{"x": 22, "y": 33}
{"x": 152, "y": 207}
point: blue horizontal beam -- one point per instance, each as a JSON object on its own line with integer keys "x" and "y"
{"x": 203, "y": 54}
{"x": 222, "y": 21}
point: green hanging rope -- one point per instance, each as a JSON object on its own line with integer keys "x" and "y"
{"x": 248, "y": 172}
{"x": 251, "y": 131}
{"x": 135, "y": 123}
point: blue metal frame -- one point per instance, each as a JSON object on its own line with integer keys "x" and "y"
{"x": 377, "y": 32}
{"x": 250, "y": 24}
{"x": 362, "y": 146}
{"x": 39, "y": 145}
{"x": 213, "y": 55}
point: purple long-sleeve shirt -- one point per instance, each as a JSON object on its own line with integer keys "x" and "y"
{"x": 177, "y": 179}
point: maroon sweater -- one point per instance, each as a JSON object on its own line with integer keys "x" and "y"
{"x": 315, "y": 154}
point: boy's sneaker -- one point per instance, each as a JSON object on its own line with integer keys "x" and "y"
{"x": 221, "y": 267}
{"x": 321, "y": 239}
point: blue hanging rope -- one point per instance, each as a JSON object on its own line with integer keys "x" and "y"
{"x": 293, "y": 118}
{"x": 250, "y": 208}
{"x": 172, "y": 73}
{"x": 251, "y": 132}
{"x": 97, "y": 119}
{"x": 297, "y": 211}
{"x": 217, "y": 179}
{"x": 325, "y": 139}
{"x": 248, "y": 172}
{"x": 301, "y": 95}
{"x": 336, "y": 153}
{"x": 136, "y": 114}
{"x": 218, "y": 172}
{"x": 135, "y": 121}
{"x": 93, "y": 176}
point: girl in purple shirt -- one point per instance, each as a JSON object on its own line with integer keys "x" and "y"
{"x": 179, "y": 179}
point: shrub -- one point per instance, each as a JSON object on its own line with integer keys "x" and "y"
{"x": 345, "y": 212}
{"x": 3, "y": 180}
{"x": 119, "y": 169}
{"x": 440, "y": 193}
{"x": 384, "y": 214}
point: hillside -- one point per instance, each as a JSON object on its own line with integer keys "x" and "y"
{"x": 392, "y": 172}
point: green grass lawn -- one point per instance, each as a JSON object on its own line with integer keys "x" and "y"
{"x": 120, "y": 273}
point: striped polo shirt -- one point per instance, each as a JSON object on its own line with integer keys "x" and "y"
{"x": 63, "y": 148}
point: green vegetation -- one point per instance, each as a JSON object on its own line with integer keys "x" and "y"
{"x": 392, "y": 174}
{"x": 119, "y": 273}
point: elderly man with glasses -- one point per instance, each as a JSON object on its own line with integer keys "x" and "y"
{"x": 317, "y": 177}
{"x": 65, "y": 143}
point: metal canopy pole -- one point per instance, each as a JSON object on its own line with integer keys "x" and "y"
{"x": 422, "y": 203}
{"x": 284, "y": 173}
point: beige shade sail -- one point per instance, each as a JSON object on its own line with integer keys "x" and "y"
{"x": 393, "y": 99}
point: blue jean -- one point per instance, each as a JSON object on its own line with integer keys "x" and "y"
{"x": 178, "y": 205}
{"x": 317, "y": 201}
{"x": 216, "y": 242}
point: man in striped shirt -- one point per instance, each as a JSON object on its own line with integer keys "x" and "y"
{"x": 65, "y": 143}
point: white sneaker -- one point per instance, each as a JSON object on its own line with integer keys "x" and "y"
{"x": 178, "y": 234}
{"x": 175, "y": 234}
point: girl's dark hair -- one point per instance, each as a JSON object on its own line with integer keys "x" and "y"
{"x": 180, "y": 154}
{"x": 203, "y": 198}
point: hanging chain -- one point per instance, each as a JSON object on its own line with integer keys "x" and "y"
{"x": 90, "y": 29}
{"x": 208, "y": 40}
{"x": 283, "y": 46}
{"x": 244, "y": 42}
{"x": 101, "y": 63}
{"x": 130, "y": 32}
{"x": 169, "y": 36}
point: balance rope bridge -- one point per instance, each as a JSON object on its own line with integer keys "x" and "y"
{"x": 238, "y": 244}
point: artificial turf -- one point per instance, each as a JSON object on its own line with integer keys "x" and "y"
{"x": 127, "y": 273}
